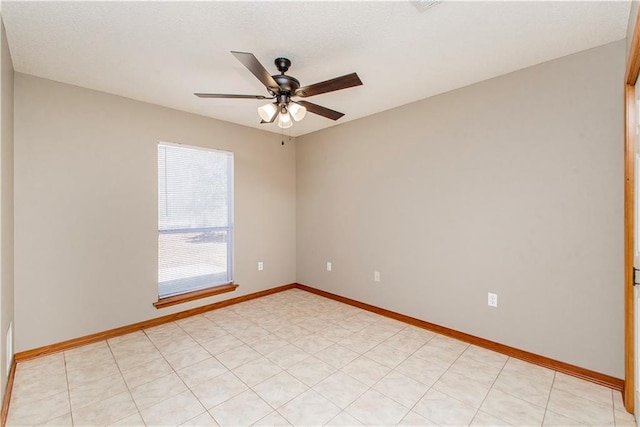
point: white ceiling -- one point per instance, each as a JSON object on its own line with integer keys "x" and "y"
{"x": 162, "y": 52}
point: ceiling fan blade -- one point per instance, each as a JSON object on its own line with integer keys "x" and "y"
{"x": 338, "y": 83}
{"x": 224, "y": 95}
{"x": 320, "y": 110}
{"x": 256, "y": 68}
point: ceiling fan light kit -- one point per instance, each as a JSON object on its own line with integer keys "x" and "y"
{"x": 284, "y": 121}
{"x": 282, "y": 88}
{"x": 268, "y": 112}
{"x": 297, "y": 111}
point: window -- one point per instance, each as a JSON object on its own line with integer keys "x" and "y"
{"x": 195, "y": 219}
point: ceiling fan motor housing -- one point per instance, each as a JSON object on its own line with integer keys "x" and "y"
{"x": 282, "y": 99}
{"x": 287, "y": 84}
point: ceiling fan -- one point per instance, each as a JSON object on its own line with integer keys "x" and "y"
{"x": 282, "y": 88}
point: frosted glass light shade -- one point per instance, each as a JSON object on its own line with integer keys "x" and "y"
{"x": 284, "y": 121}
{"x": 267, "y": 111}
{"x": 297, "y": 111}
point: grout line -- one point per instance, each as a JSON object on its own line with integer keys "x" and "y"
{"x": 178, "y": 375}
{"x": 613, "y": 408}
{"x": 441, "y": 375}
{"x": 394, "y": 370}
{"x": 575, "y": 393}
{"x": 305, "y": 385}
{"x": 391, "y": 369}
{"x": 230, "y": 370}
{"x": 489, "y": 391}
{"x": 352, "y": 333}
{"x": 546, "y": 406}
{"x": 125, "y": 383}
{"x": 307, "y": 388}
{"x": 66, "y": 375}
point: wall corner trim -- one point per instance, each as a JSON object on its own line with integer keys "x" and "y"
{"x": 4, "y": 413}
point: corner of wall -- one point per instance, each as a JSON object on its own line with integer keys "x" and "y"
{"x": 6, "y": 209}
{"x": 633, "y": 13}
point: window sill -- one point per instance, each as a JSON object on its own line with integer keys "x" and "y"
{"x": 190, "y": 296}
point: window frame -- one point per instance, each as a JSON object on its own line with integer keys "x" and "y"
{"x": 216, "y": 289}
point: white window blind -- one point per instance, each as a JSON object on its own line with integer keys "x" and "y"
{"x": 195, "y": 218}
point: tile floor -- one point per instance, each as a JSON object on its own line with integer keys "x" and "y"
{"x": 295, "y": 358}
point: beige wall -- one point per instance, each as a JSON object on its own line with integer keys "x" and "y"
{"x": 512, "y": 186}
{"x": 6, "y": 199}
{"x": 86, "y": 208}
{"x": 633, "y": 14}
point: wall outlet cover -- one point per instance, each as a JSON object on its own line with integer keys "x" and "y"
{"x": 492, "y": 299}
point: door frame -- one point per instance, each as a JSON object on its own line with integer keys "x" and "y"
{"x": 631, "y": 75}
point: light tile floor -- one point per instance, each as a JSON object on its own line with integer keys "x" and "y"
{"x": 295, "y": 358}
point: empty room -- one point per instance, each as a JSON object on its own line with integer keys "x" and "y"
{"x": 317, "y": 213}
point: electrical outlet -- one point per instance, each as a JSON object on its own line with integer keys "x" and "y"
{"x": 492, "y": 300}
{"x": 376, "y": 276}
{"x": 328, "y": 266}
{"x": 260, "y": 266}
